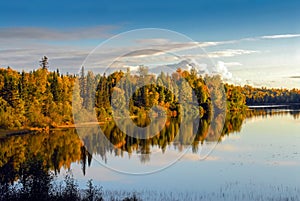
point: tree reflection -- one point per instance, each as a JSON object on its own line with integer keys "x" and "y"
{"x": 59, "y": 148}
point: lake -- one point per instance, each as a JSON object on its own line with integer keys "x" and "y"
{"x": 255, "y": 157}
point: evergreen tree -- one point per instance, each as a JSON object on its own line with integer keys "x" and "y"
{"x": 44, "y": 62}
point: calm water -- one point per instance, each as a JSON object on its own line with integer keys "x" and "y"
{"x": 257, "y": 154}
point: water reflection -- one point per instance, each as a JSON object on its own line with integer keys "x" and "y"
{"x": 285, "y": 110}
{"x": 59, "y": 148}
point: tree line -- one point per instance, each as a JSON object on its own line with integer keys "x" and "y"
{"x": 271, "y": 96}
{"x": 35, "y": 99}
{"x": 42, "y": 98}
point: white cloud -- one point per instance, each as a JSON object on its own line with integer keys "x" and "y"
{"x": 232, "y": 64}
{"x": 280, "y": 36}
{"x": 230, "y": 53}
{"x": 152, "y": 41}
{"x": 222, "y": 70}
{"x": 223, "y": 53}
{"x": 144, "y": 53}
{"x": 175, "y": 44}
{"x": 171, "y": 45}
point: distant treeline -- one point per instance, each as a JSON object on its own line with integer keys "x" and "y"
{"x": 264, "y": 96}
{"x": 261, "y": 96}
{"x": 41, "y": 98}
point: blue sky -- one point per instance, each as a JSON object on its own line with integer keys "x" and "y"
{"x": 264, "y": 35}
{"x": 210, "y": 20}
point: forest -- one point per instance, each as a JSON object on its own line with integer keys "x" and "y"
{"x": 43, "y": 99}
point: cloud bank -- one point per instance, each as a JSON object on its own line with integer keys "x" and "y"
{"x": 22, "y": 48}
{"x": 40, "y": 33}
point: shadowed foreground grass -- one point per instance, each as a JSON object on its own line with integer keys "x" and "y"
{"x": 43, "y": 188}
{"x": 68, "y": 189}
{"x": 35, "y": 183}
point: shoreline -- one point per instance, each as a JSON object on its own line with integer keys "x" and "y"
{"x": 12, "y": 132}
{"x": 273, "y": 105}
{"x": 23, "y": 131}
